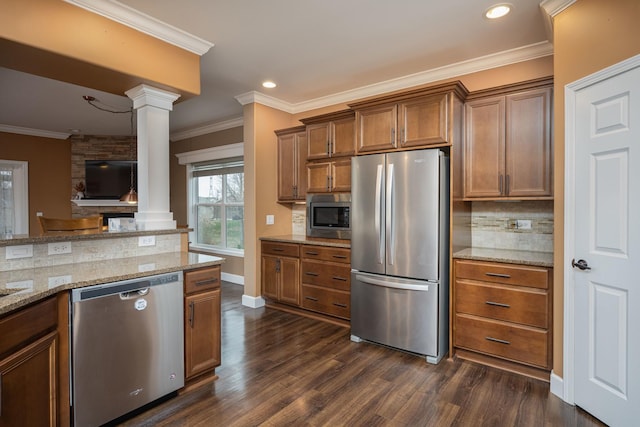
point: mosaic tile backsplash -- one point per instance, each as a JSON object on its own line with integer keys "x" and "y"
{"x": 495, "y": 225}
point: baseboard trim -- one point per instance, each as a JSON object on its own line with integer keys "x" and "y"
{"x": 252, "y": 302}
{"x": 556, "y": 386}
{"x": 233, "y": 278}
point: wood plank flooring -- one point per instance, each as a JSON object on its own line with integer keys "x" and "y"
{"x": 279, "y": 369}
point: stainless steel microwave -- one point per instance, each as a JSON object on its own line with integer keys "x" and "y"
{"x": 329, "y": 215}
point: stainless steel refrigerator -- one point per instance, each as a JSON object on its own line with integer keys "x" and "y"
{"x": 399, "y": 251}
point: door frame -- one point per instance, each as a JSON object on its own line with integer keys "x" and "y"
{"x": 566, "y": 386}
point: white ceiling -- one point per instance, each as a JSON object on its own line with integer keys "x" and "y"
{"x": 319, "y": 52}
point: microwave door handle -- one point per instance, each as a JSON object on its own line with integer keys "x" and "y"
{"x": 391, "y": 241}
{"x": 378, "y": 213}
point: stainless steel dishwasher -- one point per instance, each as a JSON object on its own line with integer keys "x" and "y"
{"x": 127, "y": 346}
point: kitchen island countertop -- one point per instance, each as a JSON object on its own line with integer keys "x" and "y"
{"x": 19, "y": 288}
{"x": 539, "y": 259}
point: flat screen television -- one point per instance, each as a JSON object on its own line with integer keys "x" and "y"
{"x": 109, "y": 179}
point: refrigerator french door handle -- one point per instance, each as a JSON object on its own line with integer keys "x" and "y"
{"x": 389, "y": 217}
{"x": 388, "y": 284}
{"x": 378, "y": 213}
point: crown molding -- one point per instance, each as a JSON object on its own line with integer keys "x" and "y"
{"x": 34, "y": 132}
{"x": 512, "y": 56}
{"x": 551, "y": 8}
{"x": 205, "y": 129}
{"x": 125, "y": 15}
{"x": 212, "y": 153}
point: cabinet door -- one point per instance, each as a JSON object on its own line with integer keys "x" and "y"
{"x": 286, "y": 167}
{"x": 377, "y": 128}
{"x": 319, "y": 177}
{"x": 318, "y": 139}
{"x": 484, "y": 148}
{"x": 300, "y": 185}
{"x": 423, "y": 122}
{"x": 290, "y": 281}
{"x": 270, "y": 275}
{"x": 341, "y": 175}
{"x": 28, "y": 385}
{"x": 202, "y": 332}
{"x": 528, "y": 144}
{"x": 343, "y": 137}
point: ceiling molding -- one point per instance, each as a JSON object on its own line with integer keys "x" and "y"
{"x": 205, "y": 129}
{"x": 525, "y": 53}
{"x": 212, "y": 153}
{"x": 551, "y": 8}
{"x": 34, "y": 132}
{"x": 125, "y": 15}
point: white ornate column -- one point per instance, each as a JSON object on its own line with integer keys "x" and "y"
{"x": 153, "y": 106}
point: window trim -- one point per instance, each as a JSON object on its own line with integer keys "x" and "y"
{"x": 20, "y": 194}
{"x": 205, "y": 155}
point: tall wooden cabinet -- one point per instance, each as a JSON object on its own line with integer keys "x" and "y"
{"x": 29, "y": 366}
{"x": 292, "y": 156}
{"x": 202, "y": 334}
{"x": 508, "y": 142}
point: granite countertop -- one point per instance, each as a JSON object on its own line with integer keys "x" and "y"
{"x": 304, "y": 240}
{"x": 30, "y": 285}
{"x": 25, "y": 239}
{"x": 540, "y": 259}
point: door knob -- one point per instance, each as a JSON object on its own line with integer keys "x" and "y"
{"x": 581, "y": 264}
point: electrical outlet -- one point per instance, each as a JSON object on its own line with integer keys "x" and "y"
{"x": 270, "y": 219}
{"x": 523, "y": 224}
{"x": 143, "y": 268}
{"x": 59, "y": 281}
{"x": 59, "y": 248}
{"x": 147, "y": 241}
{"x": 21, "y": 251}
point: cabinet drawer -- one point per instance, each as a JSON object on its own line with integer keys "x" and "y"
{"x": 327, "y": 301}
{"x": 202, "y": 279}
{"x": 528, "y": 307}
{"x": 27, "y": 324}
{"x": 327, "y": 253}
{"x": 518, "y": 343}
{"x": 280, "y": 249}
{"x": 330, "y": 275}
{"x": 535, "y": 277}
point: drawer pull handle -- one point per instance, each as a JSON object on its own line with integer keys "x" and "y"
{"x": 343, "y": 279}
{"x": 337, "y": 304}
{"x": 311, "y": 298}
{"x": 277, "y": 250}
{"x": 497, "y": 304}
{"x": 206, "y": 281}
{"x": 497, "y": 340}
{"x": 504, "y": 276}
{"x": 340, "y": 256}
{"x": 311, "y": 253}
{"x": 311, "y": 273}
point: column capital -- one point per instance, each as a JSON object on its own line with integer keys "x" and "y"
{"x": 145, "y": 95}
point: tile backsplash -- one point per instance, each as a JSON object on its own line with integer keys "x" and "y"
{"x": 299, "y": 219}
{"x": 501, "y": 225}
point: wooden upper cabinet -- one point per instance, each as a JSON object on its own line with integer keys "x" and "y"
{"x": 508, "y": 145}
{"x": 331, "y": 135}
{"x": 329, "y": 177}
{"x": 419, "y": 118}
{"x": 292, "y": 153}
{"x": 423, "y": 121}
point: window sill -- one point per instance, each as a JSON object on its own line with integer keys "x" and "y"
{"x": 218, "y": 251}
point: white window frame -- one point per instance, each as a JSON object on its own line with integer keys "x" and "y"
{"x": 20, "y": 194}
{"x": 208, "y": 154}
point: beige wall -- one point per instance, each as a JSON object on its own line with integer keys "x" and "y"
{"x": 49, "y": 173}
{"x": 588, "y": 36}
{"x": 178, "y": 181}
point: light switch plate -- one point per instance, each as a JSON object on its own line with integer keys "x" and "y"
{"x": 270, "y": 219}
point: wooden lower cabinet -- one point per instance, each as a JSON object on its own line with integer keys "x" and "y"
{"x": 29, "y": 366}
{"x": 312, "y": 278}
{"x": 202, "y": 311}
{"x": 502, "y": 315}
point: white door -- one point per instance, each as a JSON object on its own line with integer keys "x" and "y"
{"x": 606, "y": 227}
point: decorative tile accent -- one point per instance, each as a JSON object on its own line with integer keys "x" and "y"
{"x": 299, "y": 219}
{"x": 494, "y": 225}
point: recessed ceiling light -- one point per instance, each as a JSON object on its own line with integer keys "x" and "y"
{"x": 498, "y": 11}
{"x": 269, "y": 84}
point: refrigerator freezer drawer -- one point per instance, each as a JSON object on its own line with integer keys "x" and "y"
{"x": 398, "y": 313}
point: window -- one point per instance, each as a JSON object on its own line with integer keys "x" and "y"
{"x": 14, "y": 206}
{"x": 218, "y": 190}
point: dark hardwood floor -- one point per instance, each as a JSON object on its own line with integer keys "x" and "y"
{"x": 279, "y": 369}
